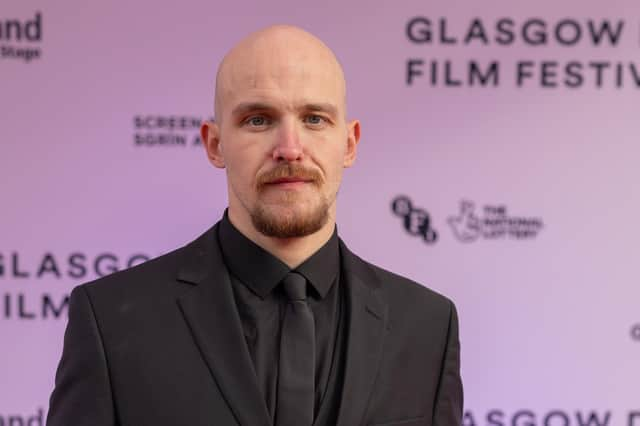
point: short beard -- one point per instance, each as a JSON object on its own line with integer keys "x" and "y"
{"x": 277, "y": 225}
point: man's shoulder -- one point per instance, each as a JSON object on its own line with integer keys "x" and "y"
{"x": 410, "y": 305}
{"x": 408, "y": 289}
{"x": 398, "y": 289}
{"x": 153, "y": 275}
{"x": 149, "y": 273}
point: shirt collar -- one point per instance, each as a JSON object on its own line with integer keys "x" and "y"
{"x": 261, "y": 271}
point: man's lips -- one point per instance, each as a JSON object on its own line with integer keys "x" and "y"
{"x": 289, "y": 180}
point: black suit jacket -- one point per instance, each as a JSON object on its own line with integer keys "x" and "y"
{"x": 162, "y": 344}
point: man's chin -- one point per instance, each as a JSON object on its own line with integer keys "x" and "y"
{"x": 288, "y": 220}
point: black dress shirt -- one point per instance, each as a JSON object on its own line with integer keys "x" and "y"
{"x": 256, "y": 276}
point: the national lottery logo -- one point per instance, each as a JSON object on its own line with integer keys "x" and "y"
{"x": 493, "y": 223}
{"x": 416, "y": 221}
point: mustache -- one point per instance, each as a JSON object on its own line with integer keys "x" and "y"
{"x": 289, "y": 170}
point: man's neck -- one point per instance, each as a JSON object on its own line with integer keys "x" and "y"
{"x": 291, "y": 251}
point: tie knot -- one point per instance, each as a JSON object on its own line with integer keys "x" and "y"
{"x": 295, "y": 286}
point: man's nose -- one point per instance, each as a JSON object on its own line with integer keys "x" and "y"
{"x": 288, "y": 146}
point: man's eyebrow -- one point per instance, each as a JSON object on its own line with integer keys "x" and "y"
{"x": 322, "y": 107}
{"x": 250, "y": 106}
{"x": 247, "y": 107}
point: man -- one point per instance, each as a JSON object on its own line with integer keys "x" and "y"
{"x": 267, "y": 318}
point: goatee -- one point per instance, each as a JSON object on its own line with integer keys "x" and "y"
{"x": 294, "y": 223}
{"x": 277, "y": 225}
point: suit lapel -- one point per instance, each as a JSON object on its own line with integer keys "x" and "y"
{"x": 210, "y": 311}
{"x": 367, "y": 323}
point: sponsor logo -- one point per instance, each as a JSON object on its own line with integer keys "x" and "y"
{"x": 21, "y": 301}
{"x": 76, "y": 265}
{"x": 36, "y": 419}
{"x": 415, "y": 220}
{"x": 526, "y": 417}
{"x": 20, "y": 38}
{"x": 494, "y": 224}
{"x": 547, "y": 70}
{"x": 176, "y": 131}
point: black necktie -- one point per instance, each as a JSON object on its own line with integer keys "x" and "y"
{"x": 297, "y": 357}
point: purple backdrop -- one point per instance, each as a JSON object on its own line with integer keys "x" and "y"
{"x": 513, "y": 126}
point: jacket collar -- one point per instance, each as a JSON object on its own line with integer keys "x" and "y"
{"x": 209, "y": 309}
{"x": 366, "y": 329}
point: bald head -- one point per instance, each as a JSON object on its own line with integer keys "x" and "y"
{"x": 281, "y": 134}
{"x": 279, "y": 58}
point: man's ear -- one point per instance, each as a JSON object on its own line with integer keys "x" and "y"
{"x": 353, "y": 137}
{"x": 210, "y": 135}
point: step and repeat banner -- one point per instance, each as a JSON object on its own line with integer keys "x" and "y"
{"x": 498, "y": 165}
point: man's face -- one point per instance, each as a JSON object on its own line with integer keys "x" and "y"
{"x": 283, "y": 138}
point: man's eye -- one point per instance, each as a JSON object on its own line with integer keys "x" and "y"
{"x": 257, "y": 121}
{"x": 314, "y": 119}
